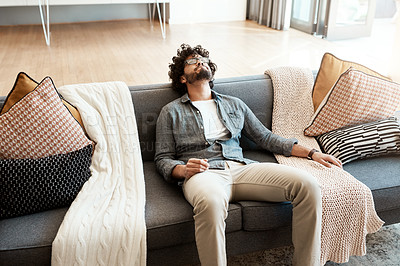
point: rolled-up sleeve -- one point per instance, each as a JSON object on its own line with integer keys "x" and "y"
{"x": 165, "y": 146}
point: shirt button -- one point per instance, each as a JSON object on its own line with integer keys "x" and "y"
{"x": 206, "y": 143}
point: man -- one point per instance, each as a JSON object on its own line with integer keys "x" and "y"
{"x": 198, "y": 144}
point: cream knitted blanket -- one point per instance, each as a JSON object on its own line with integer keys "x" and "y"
{"x": 348, "y": 208}
{"x": 105, "y": 225}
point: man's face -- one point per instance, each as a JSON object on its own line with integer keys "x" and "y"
{"x": 196, "y": 70}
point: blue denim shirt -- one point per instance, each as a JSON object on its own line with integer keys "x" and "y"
{"x": 180, "y": 135}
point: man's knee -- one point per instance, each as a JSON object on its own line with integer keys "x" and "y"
{"x": 213, "y": 205}
{"x": 308, "y": 186}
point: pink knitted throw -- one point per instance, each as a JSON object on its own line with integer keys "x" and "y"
{"x": 348, "y": 208}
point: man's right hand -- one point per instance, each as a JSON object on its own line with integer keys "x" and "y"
{"x": 192, "y": 167}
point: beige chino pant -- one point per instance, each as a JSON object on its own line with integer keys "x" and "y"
{"x": 211, "y": 191}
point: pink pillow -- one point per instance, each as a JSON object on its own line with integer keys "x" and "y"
{"x": 356, "y": 98}
{"x": 39, "y": 125}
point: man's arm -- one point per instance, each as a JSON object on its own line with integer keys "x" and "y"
{"x": 322, "y": 158}
{"x": 263, "y": 137}
{"x": 275, "y": 143}
{"x": 165, "y": 153}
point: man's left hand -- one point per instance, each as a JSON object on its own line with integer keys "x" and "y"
{"x": 326, "y": 159}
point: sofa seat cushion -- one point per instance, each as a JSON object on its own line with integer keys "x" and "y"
{"x": 169, "y": 217}
{"x": 260, "y": 156}
{"x": 29, "y": 236}
{"x": 259, "y": 216}
{"x": 381, "y": 175}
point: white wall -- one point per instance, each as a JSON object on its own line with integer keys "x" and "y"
{"x": 394, "y": 71}
{"x": 20, "y": 15}
{"x": 198, "y": 11}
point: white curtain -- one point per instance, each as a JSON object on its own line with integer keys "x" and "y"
{"x": 271, "y": 13}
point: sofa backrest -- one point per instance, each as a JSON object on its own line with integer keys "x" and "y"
{"x": 256, "y": 91}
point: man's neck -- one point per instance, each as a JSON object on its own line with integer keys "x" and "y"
{"x": 199, "y": 91}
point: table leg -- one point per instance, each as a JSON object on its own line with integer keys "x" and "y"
{"x": 150, "y": 16}
{"x": 46, "y": 28}
{"x": 162, "y": 19}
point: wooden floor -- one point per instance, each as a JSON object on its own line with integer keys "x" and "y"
{"x": 134, "y": 52}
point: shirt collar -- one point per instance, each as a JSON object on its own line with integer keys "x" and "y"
{"x": 185, "y": 98}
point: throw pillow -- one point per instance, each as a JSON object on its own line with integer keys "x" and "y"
{"x": 45, "y": 155}
{"x": 24, "y": 85}
{"x": 330, "y": 69}
{"x": 39, "y": 125}
{"x": 355, "y": 99}
{"x": 362, "y": 141}
{"x": 34, "y": 185}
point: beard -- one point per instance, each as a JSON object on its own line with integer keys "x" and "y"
{"x": 203, "y": 74}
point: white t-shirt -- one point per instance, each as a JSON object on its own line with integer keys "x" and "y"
{"x": 213, "y": 127}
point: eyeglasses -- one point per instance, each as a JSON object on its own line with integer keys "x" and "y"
{"x": 191, "y": 61}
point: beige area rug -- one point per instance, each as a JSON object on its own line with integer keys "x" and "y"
{"x": 383, "y": 249}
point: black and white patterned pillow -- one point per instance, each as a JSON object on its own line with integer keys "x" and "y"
{"x": 362, "y": 141}
{"x": 33, "y": 185}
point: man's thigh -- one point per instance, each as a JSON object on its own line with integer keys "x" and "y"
{"x": 207, "y": 184}
{"x": 267, "y": 181}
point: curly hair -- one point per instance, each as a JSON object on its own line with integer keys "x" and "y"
{"x": 178, "y": 64}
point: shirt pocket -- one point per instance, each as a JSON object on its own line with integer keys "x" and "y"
{"x": 237, "y": 119}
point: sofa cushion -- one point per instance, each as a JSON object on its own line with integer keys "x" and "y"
{"x": 258, "y": 96}
{"x": 147, "y": 114}
{"x": 169, "y": 217}
{"x": 260, "y": 156}
{"x": 381, "y": 175}
{"x": 259, "y": 216}
{"x": 27, "y": 240}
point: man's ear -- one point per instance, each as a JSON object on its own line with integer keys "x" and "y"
{"x": 183, "y": 79}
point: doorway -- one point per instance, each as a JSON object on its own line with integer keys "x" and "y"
{"x": 334, "y": 19}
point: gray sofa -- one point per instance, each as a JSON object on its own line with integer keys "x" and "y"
{"x": 251, "y": 226}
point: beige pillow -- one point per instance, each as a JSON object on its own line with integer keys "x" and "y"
{"x": 330, "y": 70}
{"x": 355, "y": 99}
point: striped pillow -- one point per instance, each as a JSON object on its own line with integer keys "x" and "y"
{"x": 356, "y": 98}
{"x": 362, "y": 141}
